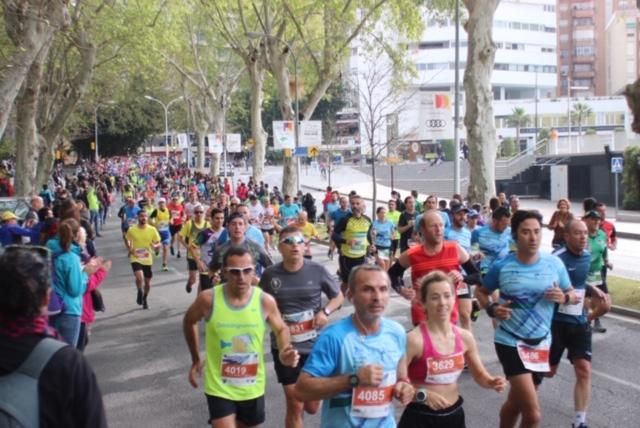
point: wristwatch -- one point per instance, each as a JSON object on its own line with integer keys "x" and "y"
{"x": 353, "y": 380}
{"x": 421, "y": 395}
{"x": 326, "y": 311}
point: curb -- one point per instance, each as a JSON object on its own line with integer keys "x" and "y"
{"x": 627, "y": 312}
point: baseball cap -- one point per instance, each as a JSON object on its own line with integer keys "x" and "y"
{"x": 473, "y": 214}
{"x": 593, "y": 214}
{"x": 8, "y": 215}
{"x": 162, "y": 201}
{"x": 456, "y": 208}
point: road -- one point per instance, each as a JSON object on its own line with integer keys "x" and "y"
{"x": 141, "y": 359}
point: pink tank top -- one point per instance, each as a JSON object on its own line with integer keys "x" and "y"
{"x": 433, "y": 368}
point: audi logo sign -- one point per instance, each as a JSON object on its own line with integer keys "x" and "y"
{"x": 436, "y": 123}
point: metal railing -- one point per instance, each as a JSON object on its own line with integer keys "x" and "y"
{"x": 507, "y": 168}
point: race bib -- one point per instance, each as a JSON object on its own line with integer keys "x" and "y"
{"x": 444, "y": 370}
{"x": 373, "y": 402}
{"x": 132, "y": 221}
{"x": 575, "y": 309}
{"x": 142, "y": 253}
{"x": 535, "y": 358}
{"x": 163, "y": 225}
{"x": 462, "y": 288}
{"x": 240, "y": 368}
{"x": 301, "y": 326}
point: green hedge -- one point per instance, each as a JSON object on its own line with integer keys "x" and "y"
{"x": 631, "y": 179}
{"x": 449, "y": 149}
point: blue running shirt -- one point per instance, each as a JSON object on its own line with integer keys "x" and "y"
{"x": 493, "y": 245}
{"x": 524, "y": 285}
{"x": 578, "y": 269}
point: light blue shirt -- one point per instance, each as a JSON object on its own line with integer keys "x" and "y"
{"x": 461, "y": 236}
{"x": 524, "y": 286}
{"x": 383, "y": 232}
{"x": 341, "y": 349}
{"x": 493, "y": 245}
{"x": 289, "y": 212}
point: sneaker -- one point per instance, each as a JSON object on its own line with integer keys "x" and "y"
{"x": 165, "y": 268}
{"x": 189, "y": 287}
{"x": 178, "y": 256}
{"x": 173, "y": 252}
{"x": 475, "y": 310}
{"x": 579, "y": 426}
{"x": 598, "y": 328}
{"x": 145, "y": 305}
{"x": 139, "y": 297}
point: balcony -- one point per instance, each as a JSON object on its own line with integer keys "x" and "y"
{"x": 583, "y": 59}
{"x": 584, "y": 74}
{"x": 583, "y": 13}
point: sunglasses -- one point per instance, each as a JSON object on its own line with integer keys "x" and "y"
{"x": 199, "y": 212}
{"x": 237, "y": 271}
{"x": 293, "y": 240}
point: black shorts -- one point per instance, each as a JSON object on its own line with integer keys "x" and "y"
{"x": 394, "y": 246}
{"x": 512, "y": 364}
{"x": 419, "y": 415}
{"x": 467, "y": 293}
{"x": 269, "y": 231}
{"x": 346, "y": 264}
{"x": 575, "y": 338}
{"x": 191, "y": 264}
{"x": 174, "y": 228}
{"x": 249, "y": 412}
{"x": 287, "y": 375}
{"x": 146, "y": 270}
{"x": 205, "y": 282}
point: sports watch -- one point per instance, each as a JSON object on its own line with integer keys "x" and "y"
{"x": 354, "y": 380}
{"x": 421, "y": 395}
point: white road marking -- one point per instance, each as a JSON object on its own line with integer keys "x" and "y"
{"x": 616, "y": 380}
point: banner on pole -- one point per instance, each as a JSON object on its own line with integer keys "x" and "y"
{"x": 284, "y": 134}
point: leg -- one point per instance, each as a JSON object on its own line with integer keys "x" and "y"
{"x": 522, "y": 400}
{"x": 582, "y": 392}
{"x": 228, "y": 421}
{"x": 464, "y": 311}
{"x": 295, "y": 409}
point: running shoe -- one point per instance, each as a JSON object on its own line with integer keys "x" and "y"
{"x": 165, "y": 268}
{"x": 598, "y": 327}
{"x": 178, "y": 256}
{"x": 139, "y": 297}
{"x": 145, "y": 305}
{"x": 475, "y": 310}
{"x": 579, "y": 426}
{"x": 173, "y": 252}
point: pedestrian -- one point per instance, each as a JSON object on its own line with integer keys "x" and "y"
{"x": 234, "y": 370}
{"x": 142, "y": 241}
{"x": 358, "y": 364}
{"x": 64, "y": 391}
{"x": 531, "y": 283}
{"x": 297, "y": 286}
{"x": 436, "y": 354}
{"x": 560, "y": 218}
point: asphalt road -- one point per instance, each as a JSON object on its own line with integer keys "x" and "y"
{"x": 142, "y": 361}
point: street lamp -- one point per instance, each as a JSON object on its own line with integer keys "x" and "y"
{"x": 166, "y": 119}
{"x": 569, "y": 88}
{"x": 95, "y": 126}
{"x": 254, "y": 35}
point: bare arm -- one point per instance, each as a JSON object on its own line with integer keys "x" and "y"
{"x": 309, "y": 388}
{"x": 480, "y": 374}
{"x": 197, "y": 311}
{"x": 287, "y": 353}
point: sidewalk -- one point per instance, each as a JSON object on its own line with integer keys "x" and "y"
{"x": 346, "y": 179}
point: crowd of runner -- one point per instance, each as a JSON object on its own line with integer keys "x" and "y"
{"x": 449, "y": 259}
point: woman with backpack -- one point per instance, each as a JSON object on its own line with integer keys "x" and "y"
{"x": 69, "y": 279}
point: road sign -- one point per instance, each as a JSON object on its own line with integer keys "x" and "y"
{"x": 301, "y": 152}
{"x": 616, "y": 165}
{"x": 314, "y": 151}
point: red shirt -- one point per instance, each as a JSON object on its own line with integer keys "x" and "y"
{"x": 610, "y": 230}
{"x": 177, "y": 213}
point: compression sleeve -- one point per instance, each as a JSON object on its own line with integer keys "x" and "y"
{"x": 395, "y": 274}
{"x": 473, "y": 275}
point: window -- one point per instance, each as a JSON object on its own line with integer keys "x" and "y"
{"x": 549, "y": 29}
{"x": 434, "y": 45}
{"x": 583, "y": 67}
{"x": 549, "y": 8}
{"x": 563, "y": 23}
{"x": 583, "y": 34}
{"x": 584, "y": 50}
{"x": 564, "y": 53}
{"x": 421, "y": 66}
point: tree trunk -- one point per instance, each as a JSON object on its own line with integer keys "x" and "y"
{"x": 30, "y": 25}
{"x": 256, "y": 77}
{"x": 218, "y": 129}
{"x": 479, "y": 118}
{"x": 46, "y": 159}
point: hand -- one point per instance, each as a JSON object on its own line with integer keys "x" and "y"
{"x": 498, "y": 383}
{"x": 554, "y": 294}
{"x": 92, "y": 266}
{"x": 455, "y": 276}
{"x": 404, "y": 392}
{"x": 201, "y": 266}
{"x": 194, "y": 373}
{"x": 370, "y": 375}
{"x": 575, "y": 298}
{"x": 437, "y": 401}
{"x": 411, "y": 223}
{"x": 408, "y": 293}
{"x": 320, "y": 320}
{"x": 609, "y": 265}
{"x": 351, "y": 242}
{"x": 106, "y": 265}
{"x": 503, "y": 311}
{"x": 289, "y": 356}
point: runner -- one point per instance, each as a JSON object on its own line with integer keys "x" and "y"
{"x": 308, "y": 232}
{"x": 352, "y": 236}
{"x": 188, "y": 235}
{"x": 494, "y": 239}
{"x": 142, "y": 239}
{"x": 383, "y": 230}
{"x": 436, "y": 354}
{"x": 406, "y": 223}
{"x": 204, "y": 246}
{"x": 458, "y": 231}
{"x": 597, "y": 242}
{"x": 530, "y": 285}
{"x": 570, "y": 329}
{"x": 394, "y": 215}
{"x": 288, "y": 211}
{"x": 177, "y": 218}
{"x": 160, "y": 218}
{"x": 358, "y": 365}
{"x": 335, "y": 217}
{"x": 297, "y": 286}
{"x": 234, "y": 375}
{"x": 267, "y": 225}
{"x": 129, "y": 216}
{"x": 256, "y": 211}
{"x": 436, "y": 254}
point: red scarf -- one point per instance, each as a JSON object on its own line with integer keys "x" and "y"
{"x": 27, "y": 325}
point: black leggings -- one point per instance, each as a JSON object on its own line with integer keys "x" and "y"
{"x": 419, "y": 415}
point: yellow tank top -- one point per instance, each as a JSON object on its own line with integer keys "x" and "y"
{"x": 162, "y": 218}
{"x": 234, "y": 366}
